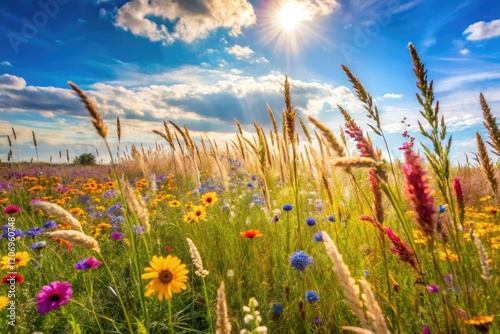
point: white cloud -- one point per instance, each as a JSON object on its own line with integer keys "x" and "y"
{"x": 8, "y": 81}
{"x": 464, "y": 51}
{"x": 392, "y": 96}
{"x": 240, "y": 51}
{"x": 483, "y": 30}
{"x": 6, "y": 63}
{"x": 193, "y": 19}
{"x": 260, "y": 60}
{"x": 482, "y": 79}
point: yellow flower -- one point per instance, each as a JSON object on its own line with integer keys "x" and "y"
{"x": 200, "y": 212}
{"x": 4, "y": 200}
{"x": 419, "y": 238}
{"x": 209, "y": 199}
{"x": 481, "y": 322}
{"x": 21, "y": 259}
{"x": 4, "y": 302}
{"x": 189, "y": 217}
{"x": 76, "y": 211}
{"x": 491, "y": 209}
{"x": 484, "y": 199}
{"x": 446, "y": 254}
{"x": 168, "y": 274}
{"x": 174, "y": 204}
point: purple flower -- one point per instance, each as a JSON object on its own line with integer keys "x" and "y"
{"x": 426, "y": 330}
{"x": 85, "y": 199}
{"x": 300, "y": 260}
{"x": 38, "y": 245}
{"x": 11, "y": 209}
{"x": 331, "y": 218}
{"x": 109, "y": 193}
{"x": 89, "y": 263}
{"x": 117, "y": 219}
{"x": 53, "y": 296}
{"x": 138, "y": 229}
{"x": 16, "y": 233}
{"x": 50, "y": 224}
{"x": 96, "y": 214}
{"x": 35, "y": 231}
{"x": 432, "y": 288}
{"x": 116, "y": 236}
{"x": 115, "y": 210}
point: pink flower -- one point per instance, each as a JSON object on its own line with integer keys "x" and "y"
{"x": 53, "y": 296}
{"x": 11, "y": 209}
{"x": 89, "y": 263}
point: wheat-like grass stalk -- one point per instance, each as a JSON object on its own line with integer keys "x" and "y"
{"x": 483, "y": 258}
{"x": 304, "y": 129}
{"x": 356, "y": 162}
{"x": 195, "y": 256}
{"x": 135, "y": 204}
{"x": 486, "y": 163}
{"x": 490, "y": 123}
{"x": 273, "y": 121}
{"x": 118, "y": 129}
{"x": 223, "y": 322}
{"x": 97, "y": 119}
{"x": 373, "y": 310}
{"x": 240, "y": 129}
{"x": 59, "y": 212}
{"x": 77, "y": 238}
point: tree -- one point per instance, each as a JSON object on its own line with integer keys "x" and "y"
{"x": 85, "y": 159}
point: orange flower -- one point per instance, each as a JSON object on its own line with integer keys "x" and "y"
{"x": 481, "y": 322}
{"x": 250, "y": 234}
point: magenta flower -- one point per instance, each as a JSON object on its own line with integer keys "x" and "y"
{"x": 89, "y": 263}
{"x": 432, "y": 288}
{"x": 11, "y": 209}
{"x": 53, "y": 296}
{"x": 116, "y": 236}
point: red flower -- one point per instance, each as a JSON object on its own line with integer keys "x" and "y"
{"x": 18, "y": 278}
{"x": 11, "y": 209}
{"x": 169, "y": 248}
{"x": 250, "y": 234}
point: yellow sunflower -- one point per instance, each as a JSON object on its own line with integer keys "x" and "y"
{"x": 200, "y": 212}
{"x": 21, "y": 259}
{"x": 189, "y": 217}
{"x": 168, "y": 274}
{"x": 174, "y": 204}
{"x": 4, "y": 302}
{"x": 209, "y": 199}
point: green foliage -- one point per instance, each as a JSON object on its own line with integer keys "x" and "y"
{"x": 85, "y": 159}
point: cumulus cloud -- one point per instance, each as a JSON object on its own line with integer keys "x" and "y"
{"x": 191, "y": 19}
{"x": 240, "y": 51}
{"x": 8, "y": 81}
{"x": 483, "y": 30}
{"x": 464, "y": 51}
{"x": 319, "y": 7}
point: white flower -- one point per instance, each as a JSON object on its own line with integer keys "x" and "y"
{"x": 248, "y": 318}
{"x": 230, "y": 273}
{"x": 261, "y": 329}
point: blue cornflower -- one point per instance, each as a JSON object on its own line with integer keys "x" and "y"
{"x": 312, "y": 296}
{"x": 318, "y": 237}
{"x": 300, "y": 260}
{"x": 331, "y": 218}
{"x": 317, "y": 320}
{"x": 38, "y": 245}
{"x": 442, "y": 208}
{"x": 85, "y": 199}
{"x": 90, "y": 208}
{"x": 96, "y": 214}
{"x": 35, "y": 231}
{"x": 287, "y": 207}
{"x": 108, "y": 193}
{"x": 277, "y": 308}
{"x": 366, "y": 272}
{"x": 50, "y": 224}
{"x": 311, "y": 221}
{"x": 138, "y": 229}
{"x": 117, "y": 220}
{"x": 114, "y": 209}
{"x": 250, "y": 185}
{"x": 16, "y": 233}
{"x": 254, "y": 177}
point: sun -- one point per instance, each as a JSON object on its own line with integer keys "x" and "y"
{"x": 291, "y": 15}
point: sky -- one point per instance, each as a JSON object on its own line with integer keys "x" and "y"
{"x": 202, "y": 63}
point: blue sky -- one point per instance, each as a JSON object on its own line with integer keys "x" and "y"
{"x": 204, "y": 62}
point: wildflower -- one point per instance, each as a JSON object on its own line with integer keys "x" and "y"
{"x": 35, "y": 231}
{"x": 442, "y": 208}
{"x": 174, "y": 204}
{"x": 18, "y": 278}
{"x": 12, "y": 209}
{"x": 459, "y": 193}
{"x": 200, "y": 212}
{"x": 277, "y": 308}
{"x": 195, "y": 256}
{"x": 317, "y": 320}
{"x": 4, "y": 302}
{"x": 85, "y": 199}
{"x": 250, "y": 234}
{"x": 114, "y": 210}
{"x": 366, "y": 272}
{"x": 16, "y": 233}
{"x": 168, "y": 248}
{"x": 53, "y": 296}
{"x": 117, "y": 219}
{"x": 418, "y": 191}
{"x": 189, "y": 217}
{"x": 21, "y": 259}
{"x": 108, "y": 193}
{"x": 39, "y": 245}
{"x": 50, "y": 224}
{"x": 318, "y": 237}
{"x": 230, "y": 273}
{"x": 432, "y": 288}
{"x": 319, "y": 205}
{"x": 331, "y": 218}
{"x": 116, "y": 236}
{"x": 300, "y": 260}
{"x": 250, "y": 185}
{"x": 89, "y": 263}
{"x": 168, "y": 275}
{"x": 310, "y": 221}
{"x": 426, "y": 330}
{"x": 481, "y": 322}
{"x": 398, "y": 247}
{"x": 312, "y": 296}
{"x": 287, "y": 207}
{"x": 138, "y": 229}
{"x": 209, "y": 199}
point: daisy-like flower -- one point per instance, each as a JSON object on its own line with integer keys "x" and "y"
{"x": 53, "y": 296}
{"x": 21, "y": 259}
{"x": 4, "y": 302}
{"x": 481, "y": 322}
{"x": 9, "y": 278}
{"x": 209, "y": 199}
{"x": 189, "y": 217}
{"x": 89, "y": 263}
{"x": 200, "y": 212}
{"x": 168, "y": 275}
{"x": 12, "y": 209}
{"x": 174, "y": 204}
{"x": 250, "y": 234}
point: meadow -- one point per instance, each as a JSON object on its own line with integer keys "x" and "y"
{"x": 266, "y": 233}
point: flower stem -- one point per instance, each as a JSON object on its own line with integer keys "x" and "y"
{"x": 209, "y": 314}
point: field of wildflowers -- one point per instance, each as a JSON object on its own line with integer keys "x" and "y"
{"x": 262, "y": 235}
